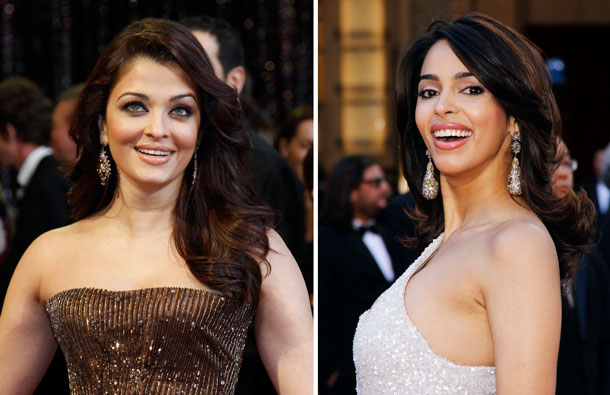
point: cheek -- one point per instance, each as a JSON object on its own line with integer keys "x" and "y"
{"x": 422, "y": 117}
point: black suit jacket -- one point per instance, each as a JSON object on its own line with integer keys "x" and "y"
{"x": 42, "y": 208}
{"x": 349, "y": 281}
{"x": 584, "y": 350}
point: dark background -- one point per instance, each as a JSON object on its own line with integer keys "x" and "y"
{"x": 56, "y": 42}
{"x": 584, "y": 99}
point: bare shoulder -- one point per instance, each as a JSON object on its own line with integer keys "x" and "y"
{"x": 520, "y": 249}
{"x": 279, "y": 254}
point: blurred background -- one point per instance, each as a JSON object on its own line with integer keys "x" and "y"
{"x": 56, "y": 42}
{"x": 360, "y": 42}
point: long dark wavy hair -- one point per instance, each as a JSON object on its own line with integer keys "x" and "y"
{"x": 513, "y": 70}
{"x": 219, "y": 226}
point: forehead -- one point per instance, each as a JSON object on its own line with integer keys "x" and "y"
{"x": 148, "y": 75}
{"x": 372, "y": 171}
{"x": 441, "y": 59}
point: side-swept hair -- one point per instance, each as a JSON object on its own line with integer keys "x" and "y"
{"x": 219, "y": 226}
{"x": 513, "y": 70}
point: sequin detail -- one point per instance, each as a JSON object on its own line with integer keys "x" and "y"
{"x": 393, "y": 357}
{"x": 149, "y": 341}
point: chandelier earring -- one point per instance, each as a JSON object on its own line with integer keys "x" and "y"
{"x": 430, "y": 185}
{"x": 194, "y": 167}
{"x": 103, "y": 166}
{"x": 514, "y": 177}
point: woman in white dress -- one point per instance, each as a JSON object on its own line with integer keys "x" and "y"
{"x": 480, "y": 310}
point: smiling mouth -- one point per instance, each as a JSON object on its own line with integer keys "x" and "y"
{"x": 449, "y": 135}
{"x": 153, "y": 152}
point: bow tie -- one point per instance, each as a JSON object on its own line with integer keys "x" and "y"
{"x": 363, "y": 229}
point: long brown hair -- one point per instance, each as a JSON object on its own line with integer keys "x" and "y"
{"x": 219, "y": 226}
{"x": 513, "y": 70}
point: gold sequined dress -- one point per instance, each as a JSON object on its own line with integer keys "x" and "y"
{"x": 149, "y": 341}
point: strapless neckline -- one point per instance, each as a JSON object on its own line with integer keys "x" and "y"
{"x": 127, "y": 292}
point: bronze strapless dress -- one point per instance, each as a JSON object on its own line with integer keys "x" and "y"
{"x": 149, "y": 341}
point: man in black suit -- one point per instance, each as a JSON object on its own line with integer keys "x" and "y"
{"x": 356, "y": 263}
{"x": 276, "y": 183}
{"x": 25, "y": 121}
{"x": 584, "y": 348}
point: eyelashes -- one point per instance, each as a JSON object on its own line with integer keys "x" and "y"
{"x": 471, "y": 90}
{"x": 137, "y": 107}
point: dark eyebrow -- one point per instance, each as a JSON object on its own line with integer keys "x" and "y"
{"x": 458, "y": 76}
{"x": 132, "y": 94}
{"x": 181, "y": 96}
{"x": 142, "y": 96}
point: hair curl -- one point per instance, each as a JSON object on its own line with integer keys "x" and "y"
{"x": 513, "y": 70}
{"x": 219, "y": 226}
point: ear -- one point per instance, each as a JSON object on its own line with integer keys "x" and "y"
{"x": 282, "y": 146}
{"x": 513, "y": 126}
{"x": 101, "y": 124}
{"x": 11, "y": 132}
{"x": 354, "y": 195}
{"x": 236, "y": 78}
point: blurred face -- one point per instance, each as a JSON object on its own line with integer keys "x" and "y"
{"x": 296, "y": 149}
{"x": 372, "y": 194}
{"x": 563, "y": 176}
{"x": 9, "y": 147}
{"x": 210, "y": 45}
{"x": 151, "y": 125}
{"x": 63, "y": 146}
{"x": 460, "y": 122}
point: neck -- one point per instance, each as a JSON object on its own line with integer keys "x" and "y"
{"x": 362, "y": 217}
{"x": 23, "y": 151}
{"x": 143, "y": 211}
{"x": 478, "y": 197}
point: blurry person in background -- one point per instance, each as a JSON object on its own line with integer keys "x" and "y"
{"x": 584, "y": 347}
{"x": 64, "y": 148}
{"x": 25, "y": 121}
{"x": 295, "y": 138}
{"x": 356, "y": 263}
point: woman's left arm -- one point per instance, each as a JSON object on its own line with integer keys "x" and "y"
{"x": 283, "y": 323}
{"x": 523, "y": 299}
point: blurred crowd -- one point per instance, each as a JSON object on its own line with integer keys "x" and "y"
{"x": 37, "y": 150}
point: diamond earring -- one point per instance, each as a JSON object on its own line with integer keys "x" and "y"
{"x": 103, "y": 167}
{"x": 194, "y": 167}
{"x": 514, "y": 177}
{"x": 430, "y": 185}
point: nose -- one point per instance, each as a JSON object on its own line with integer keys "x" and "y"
{"x": 445, "y": 103}
{"x": 157, "y": 125}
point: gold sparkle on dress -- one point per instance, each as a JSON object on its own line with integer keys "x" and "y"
{"x": 149, "y": 341}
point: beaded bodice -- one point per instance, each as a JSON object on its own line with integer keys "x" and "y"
{"x": 393, "y": 357}
{"x": 149, "y": 341}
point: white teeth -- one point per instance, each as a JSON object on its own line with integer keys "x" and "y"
{"x": 452, "y": 133}
{"x": 152, "y": 152}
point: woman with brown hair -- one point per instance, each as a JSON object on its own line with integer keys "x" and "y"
{"x": 153, "y": 288}
{"x": 480, "y": 310}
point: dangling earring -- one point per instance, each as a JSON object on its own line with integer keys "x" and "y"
{"x": 514, "y": 177}
{"x": 430, "y": 185}
{"x": 103, "y": 167}
{"x": 194, "y": 167}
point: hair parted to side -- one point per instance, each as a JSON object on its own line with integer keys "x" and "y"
{"x": 219, "y": 226}
{"x": 345, "y": 177}
{"x": 513, "y": 70}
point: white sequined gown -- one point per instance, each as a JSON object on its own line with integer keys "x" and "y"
{"x": 392, "y": 356}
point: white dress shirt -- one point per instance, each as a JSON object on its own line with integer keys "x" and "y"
{"x": 374, "y": 242}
